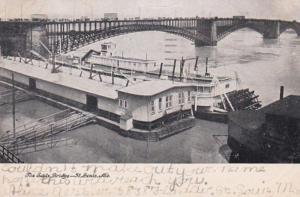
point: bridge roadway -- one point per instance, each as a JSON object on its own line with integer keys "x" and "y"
{"x": 64, "y": 36}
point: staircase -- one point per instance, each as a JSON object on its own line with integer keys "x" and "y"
{"x": 7, "y": 156}
{"x": 42, "y": 133}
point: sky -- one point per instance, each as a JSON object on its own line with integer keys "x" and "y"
{"x": 273, "y": 9}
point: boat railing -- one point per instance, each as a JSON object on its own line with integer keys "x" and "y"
{"x": 204, "y": 94}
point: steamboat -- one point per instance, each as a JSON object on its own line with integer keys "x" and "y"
{"x": 213, "y": 96}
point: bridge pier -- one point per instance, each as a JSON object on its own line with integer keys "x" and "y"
{"x": 20, "y": 38}
{"x": 297, "y": 29}
{"x": 207, "y": 30}
{"x": 200, "y": 43}
{"x": 272, "y": 30}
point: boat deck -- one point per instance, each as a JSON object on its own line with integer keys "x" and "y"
{"x": 103, "y": 89}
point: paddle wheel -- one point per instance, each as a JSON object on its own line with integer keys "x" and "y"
{"x": 243, "y": 99}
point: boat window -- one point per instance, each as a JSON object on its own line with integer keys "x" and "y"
{"x": 207, "y": 89}
{"x": 123, "y": 103}
{"x": 152, "y": 107}
{"x": 168, "y": 101}
{"x": 181, "y": 97}
{"x": 189, "y": 96}
{"x": 160, "y": 103}
{"x": 227, "y": 85}
{"x": 200, "y": 89}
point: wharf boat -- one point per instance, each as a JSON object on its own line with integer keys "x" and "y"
{"x": 212, "y": 96}
{"x": 148, "y": 110}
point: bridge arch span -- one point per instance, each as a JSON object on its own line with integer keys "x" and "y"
{"x": 78, "y": 39}
{"x": 233, "y": 29}
{"x": 283, "y": 30}
{"x": 239, "y": 30}
{"x": 67, "y": 35}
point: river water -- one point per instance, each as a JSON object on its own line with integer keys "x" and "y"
{"x": 262, "y": 65}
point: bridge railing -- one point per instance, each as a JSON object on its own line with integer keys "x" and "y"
{"x": 86, "y": 20}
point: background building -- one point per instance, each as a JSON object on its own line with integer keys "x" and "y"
{"x": 39, "y": 17}
{"x": 111, "y": 16}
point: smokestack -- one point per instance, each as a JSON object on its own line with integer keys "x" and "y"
{"x": 160, "y": 70}
{"x": 174, "y": 70}
{"x": 281, "y": 92}
{"x": 181, "y": 68}
{"x": 206, "y": 62}
{"x": 196, "y": 66}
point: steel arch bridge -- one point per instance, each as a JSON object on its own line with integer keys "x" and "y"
{"x": 204, "y": 32}
{"x": 77, "y": 39}
{"x": 64, "y": 36}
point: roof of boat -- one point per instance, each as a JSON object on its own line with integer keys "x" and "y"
{"x": 194, "y": 76}
{"x": 94, "y": 87}
{"x": 131, "y": 59}
{"x": 151, "y": 88}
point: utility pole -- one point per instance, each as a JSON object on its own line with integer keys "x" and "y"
{"x": 13, "y": 104}
{"x": 53, "y": 60}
